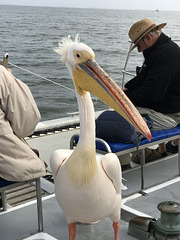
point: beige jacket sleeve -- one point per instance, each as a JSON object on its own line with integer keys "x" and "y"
{"x": 18, "y": 118}
{"x": 18, "y": 104}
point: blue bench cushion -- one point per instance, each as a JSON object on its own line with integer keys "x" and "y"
{"x": 4, "y": 182}
{"x": 156, "y": 136}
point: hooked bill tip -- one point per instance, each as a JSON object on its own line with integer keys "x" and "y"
{"x": 149, "y": 136}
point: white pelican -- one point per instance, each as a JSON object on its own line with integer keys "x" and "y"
{"x": 88, "y": 187}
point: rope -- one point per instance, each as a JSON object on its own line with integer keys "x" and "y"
{"x": 47, "y": 79}
{"x": 37, "y": 75}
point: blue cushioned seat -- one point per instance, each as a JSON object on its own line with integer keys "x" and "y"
{"x": 156, "y": 136}
{"x": 4, "y": 182}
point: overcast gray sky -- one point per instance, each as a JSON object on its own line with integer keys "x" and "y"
{"x": 173, "y": 5}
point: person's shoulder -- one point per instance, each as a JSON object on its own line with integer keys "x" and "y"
{"x": 1, "y": 67}
{"x": 169, "y": 49}
{"x": 5, "y": 76}
{"x": 2, "y": 78}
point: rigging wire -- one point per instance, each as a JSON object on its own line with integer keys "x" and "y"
{"x": 37, "y": 75}
{"x": 47, "y": 79}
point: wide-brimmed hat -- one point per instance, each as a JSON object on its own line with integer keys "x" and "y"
{"x": 139, "y": 29}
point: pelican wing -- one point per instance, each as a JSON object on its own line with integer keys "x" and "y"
{"x": 112, "y": 168}
{"x": 57, "y": 159}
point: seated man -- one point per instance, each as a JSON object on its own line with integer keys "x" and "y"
{"x": 156, "y": 88}
{"x": 19, "y": 116}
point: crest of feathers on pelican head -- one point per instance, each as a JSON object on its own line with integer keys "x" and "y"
{"x": 66, "y": 47}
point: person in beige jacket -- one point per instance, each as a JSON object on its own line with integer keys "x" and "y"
{"x": 19, "y": 116}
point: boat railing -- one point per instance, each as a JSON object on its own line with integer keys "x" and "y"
{"x": 124, "y": 71}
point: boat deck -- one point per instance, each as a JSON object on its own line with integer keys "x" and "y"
{"x": 23, "y": 220}
{"x": 161, "y": 183}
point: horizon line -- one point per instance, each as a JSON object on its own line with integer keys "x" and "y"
{"x": 99, "y": 8}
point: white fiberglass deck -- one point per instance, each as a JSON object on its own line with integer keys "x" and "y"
{"x": 17, "y": 222}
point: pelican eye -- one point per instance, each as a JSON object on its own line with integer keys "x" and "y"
{"x": 78, "y": 55}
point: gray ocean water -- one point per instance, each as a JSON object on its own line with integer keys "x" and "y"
{"x": 29, "y": 35}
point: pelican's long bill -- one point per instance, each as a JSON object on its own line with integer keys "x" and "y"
{"x": 89, "y": 76}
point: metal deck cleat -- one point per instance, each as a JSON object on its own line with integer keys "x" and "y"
{"x": 165, "y": 228}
